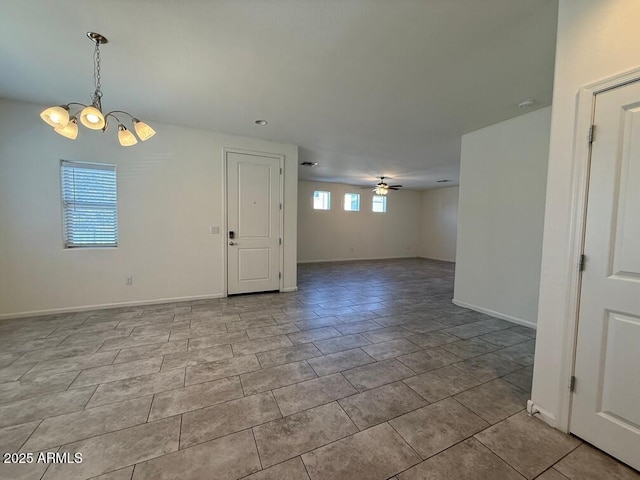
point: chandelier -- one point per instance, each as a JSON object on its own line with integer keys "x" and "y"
{"x": 91, "y": 116}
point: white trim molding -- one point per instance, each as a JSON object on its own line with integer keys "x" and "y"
{"x": 533, "y": 410}
{"x": 580, "y": 161}
{"x": 330, "y": 260}
{"x": 509, "y": 318}
{"x": 106, "y": 306}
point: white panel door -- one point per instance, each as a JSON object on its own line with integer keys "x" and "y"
{"x": 606, "y": 400}
{"x": 253, "y": 221}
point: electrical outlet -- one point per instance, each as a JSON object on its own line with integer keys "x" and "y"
{"x": 128, "y": 281}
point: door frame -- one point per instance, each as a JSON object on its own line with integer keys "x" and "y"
{"x": 225, "y": 152}
{"x": 580, "y": 165}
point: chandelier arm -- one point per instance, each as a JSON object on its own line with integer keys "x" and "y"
{"x": 111, "y": 114}
{"x": 120, "y": 111}
{"x": 76, "y": 103}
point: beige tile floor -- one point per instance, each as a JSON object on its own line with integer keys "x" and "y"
{"x": 367, "y": 372}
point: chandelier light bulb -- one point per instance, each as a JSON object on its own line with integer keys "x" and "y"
{"x": 92, "y": 118}
{"x": 57, "y": 117}
{"x": 70, "y": 130}
{"x": 125, "y": 137}
{"x": 144, "y": 131}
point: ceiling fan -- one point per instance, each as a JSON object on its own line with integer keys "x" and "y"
{"x": 382, "y": 188}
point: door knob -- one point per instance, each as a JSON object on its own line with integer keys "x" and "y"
{"x": 232, "y": 243}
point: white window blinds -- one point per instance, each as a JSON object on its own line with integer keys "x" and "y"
{"x": 89, "y": 204}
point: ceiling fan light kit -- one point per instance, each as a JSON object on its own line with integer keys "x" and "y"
{"x": 382, "y": 188}
{"x": 91, "y": 116}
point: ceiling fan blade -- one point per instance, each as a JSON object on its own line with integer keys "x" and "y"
{"x": 395, "y": 186}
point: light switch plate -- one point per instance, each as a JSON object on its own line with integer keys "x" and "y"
{"x": 214, "y": 230}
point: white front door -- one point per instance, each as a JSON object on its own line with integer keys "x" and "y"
{"x": 606, "y": 401}
{"x": 253, "y": 223}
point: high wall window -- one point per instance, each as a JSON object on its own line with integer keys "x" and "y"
{"x": 321, "y": 200}
{"x": 379, "y": 204}
{"x": 89, "y": 205}
{"x": 352, "y": 202}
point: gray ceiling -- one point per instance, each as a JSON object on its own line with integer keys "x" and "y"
{"x": 365, "y": 87}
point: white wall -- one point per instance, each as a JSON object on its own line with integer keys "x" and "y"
{"x": 501, "y": 209}
{"x": 596, "y": 39}
{"x": 439, "y": 224}
{"x": 339, "y": 235}
{"x": 170, "y": 191}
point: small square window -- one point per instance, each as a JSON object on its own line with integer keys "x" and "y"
{"x": 321, "y": 200}
{"x": 352, "y": 202}
{"x": 379, "y": 204}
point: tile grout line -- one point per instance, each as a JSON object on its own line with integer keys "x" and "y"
{"x": 348, "y": 416}
{"x": 253, "y": 433}
{"x": 239, "y": 380}
{"x": 555, "y": 470}
{"x": 580, "y": 443}
{"x": 88, "y": 401}
{"x": 30, "y": 435}
{"x": 305, "y": 466}
{"x": 103, "y": 433}
{"x": 153, "y": 397}
{"x": 410, "y": 446}
{"x": 498, "y": 456}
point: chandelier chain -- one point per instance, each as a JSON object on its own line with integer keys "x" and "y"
{"x": 96, "y": 73}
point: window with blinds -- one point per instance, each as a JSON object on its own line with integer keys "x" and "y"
{"x": 89, "y": 205}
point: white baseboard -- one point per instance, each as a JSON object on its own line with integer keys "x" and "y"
{"x": 502, "y": 316}
{"x": 327, "y": 260}
{"x": 544, "y": 415}
{"x": 84, "y": 308}
{"x": 437, "y": 259}
{"x": 289, "y": 289}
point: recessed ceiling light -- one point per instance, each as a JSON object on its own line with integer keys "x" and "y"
{"x": 261, "y": 122}
{"x": 526, "y": 103}
{"x": 309, "y": 164}
{"x": 442, "y": 181}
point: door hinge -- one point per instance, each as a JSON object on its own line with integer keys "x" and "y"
{"x": 592, "y": 130}
{"x": 280, "y": 206}
{"x": 572, "y": 384}
{"x": 279, "y": 274}
{"x": 280, "y": 171}
{"x": 581, "y": 263}
{"x": 280, "y": 241}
